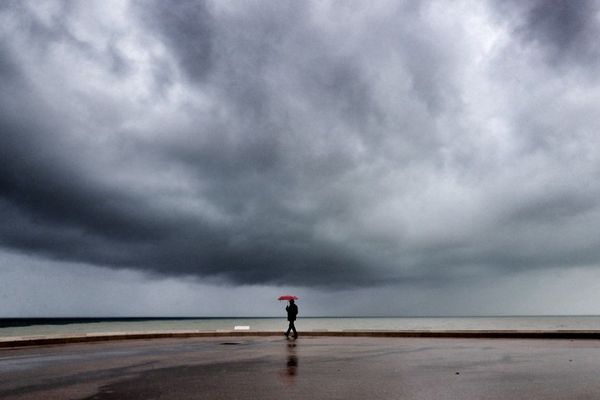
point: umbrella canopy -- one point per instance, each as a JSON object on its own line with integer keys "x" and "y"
{"x": 288, "y": 297}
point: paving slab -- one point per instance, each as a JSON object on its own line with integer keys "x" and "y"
{"x": 269, "y": 367}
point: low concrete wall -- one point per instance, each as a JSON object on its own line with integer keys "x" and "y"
{"x": 22, "y": 341}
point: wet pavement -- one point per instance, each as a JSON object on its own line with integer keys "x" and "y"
{"x": 329, "y": 368}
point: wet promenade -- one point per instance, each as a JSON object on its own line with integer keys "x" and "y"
{"x": 252, "y": 367}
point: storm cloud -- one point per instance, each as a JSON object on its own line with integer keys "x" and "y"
{"x": 307, "y": 143}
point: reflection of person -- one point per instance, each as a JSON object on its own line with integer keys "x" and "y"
{"x": 292, "y": 311}
{"x": 288, "y": 374}
{"x": 292, "y": 361}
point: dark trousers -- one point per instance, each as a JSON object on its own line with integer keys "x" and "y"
{"x": 291, "y": 328}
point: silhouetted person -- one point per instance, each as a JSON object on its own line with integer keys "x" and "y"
{"x": 292, "y": 311}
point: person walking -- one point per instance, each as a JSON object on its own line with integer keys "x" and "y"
{"x": 292, "y": 312}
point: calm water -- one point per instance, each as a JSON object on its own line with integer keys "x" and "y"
{"x": 58, "y": 326}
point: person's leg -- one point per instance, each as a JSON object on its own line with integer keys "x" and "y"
{"x": 291, "y": 324}
{"x": 294, "y": 329}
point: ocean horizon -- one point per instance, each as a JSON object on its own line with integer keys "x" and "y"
{"x": 85, "y": 325}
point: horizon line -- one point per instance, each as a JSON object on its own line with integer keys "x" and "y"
{"x": 307, "y": 316}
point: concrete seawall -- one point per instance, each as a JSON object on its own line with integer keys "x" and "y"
{"x": 23, "y": 341}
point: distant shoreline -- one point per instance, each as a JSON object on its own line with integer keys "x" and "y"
{"x": 36, "y": 327}
{"x": 20, "y": 322}
{"x": 14, "y": 322}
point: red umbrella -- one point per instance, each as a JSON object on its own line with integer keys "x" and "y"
{"x": 288, "y": 297}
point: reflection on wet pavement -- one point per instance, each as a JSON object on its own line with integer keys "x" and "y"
{"x": 340, "y": 368}
{"x": 292, "y": 360}
{"x": 290, "y": 371}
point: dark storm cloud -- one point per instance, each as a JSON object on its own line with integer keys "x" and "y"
{"x": 300, "y": 143}
{"x": 566, "y": 30}
{"x": 186, "y": 28}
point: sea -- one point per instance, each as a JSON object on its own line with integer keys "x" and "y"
{"x": 53, "y": 326}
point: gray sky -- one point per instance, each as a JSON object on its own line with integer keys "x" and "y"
{"x": 395, "y": 158}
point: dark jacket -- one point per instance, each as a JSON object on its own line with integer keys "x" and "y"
{"x": 292, "y": 311}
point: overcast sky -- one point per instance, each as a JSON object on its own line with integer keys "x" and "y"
{"x": 374, "y": 158}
